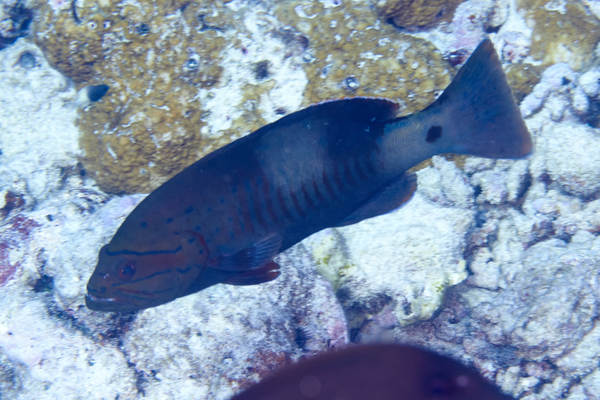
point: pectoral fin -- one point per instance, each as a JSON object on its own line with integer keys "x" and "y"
{"x": 266, "y": 273}
{"x": 252, "y": 258}
{"x": 211, "y": 276}
{"x": 395, "y": 194}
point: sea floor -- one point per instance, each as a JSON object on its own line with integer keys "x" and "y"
{"x": 495, "y": 263}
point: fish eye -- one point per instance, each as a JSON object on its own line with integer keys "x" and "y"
{"x": 127, "y": 271}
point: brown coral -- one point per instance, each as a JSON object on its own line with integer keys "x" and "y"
{"x": 562, "y": 32}
{"x": 355, "y": 54}
{"x": 417, "y": 13}
{"x": 522, "y": 78}
{"x": 154, "y": 57}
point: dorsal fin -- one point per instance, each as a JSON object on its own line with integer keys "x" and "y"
{"x": 355, "y": 109}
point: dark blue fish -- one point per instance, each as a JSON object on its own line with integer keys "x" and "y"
{"x": 374, "y": 372}
{"x": 224, "y": 218}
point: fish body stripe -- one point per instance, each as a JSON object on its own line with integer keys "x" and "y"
{"x": 318, "y": 193}
{"x": 348, "y": 173}
{"x": 141, "y": 253}
{"x": 258, "y": 204}
{"x": 328, "y": 186}
{"x": 245, "y": 210}
{"x": 307, "y": 199}
{"x": 337, "y": 178}
{"x": 283, "y": 206}
{"x": 267, "y": 190}
{"x": 370, "y": 166}
{"x": 299, "y": 210}
{"x": 361, "y": 174}
{"x": 235, "y": 227}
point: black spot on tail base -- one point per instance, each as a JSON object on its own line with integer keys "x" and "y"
{"x": 433, "y": 134}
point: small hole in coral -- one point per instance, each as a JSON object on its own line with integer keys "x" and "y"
{"x": 261, "y": 70}
{"x": 143, "y": 29}
{"x": 350, "y": 84}
{"x": 27, "y": 60}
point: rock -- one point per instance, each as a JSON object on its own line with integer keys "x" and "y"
{"x": 15, "y": 17}
{"x": 354, "y": 52}
{"x": 493, "y": 262}
{"x": 563, "y": 31}
{"x": 575, "y": 168}
{"x": 419, "y": 13}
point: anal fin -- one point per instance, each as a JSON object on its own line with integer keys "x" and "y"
{"x": 392, "y": 196}
{"x": 266, "y": 273}
{"x": 251, "y": 258}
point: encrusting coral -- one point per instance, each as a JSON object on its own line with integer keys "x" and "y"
{"x": 154, "y": 57}
{"x": 417, "y": 13}
{"x": 355, "y": 53}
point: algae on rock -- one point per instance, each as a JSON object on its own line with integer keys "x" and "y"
{"x": 563, "y": 31}
{"x": 522, "y": 78}
{"x": 154, "y": 57}
{"x": 416, "y": 13}
{"x": 357, "y": 54}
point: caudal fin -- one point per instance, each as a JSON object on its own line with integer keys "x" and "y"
{"x": 484, "y": 119}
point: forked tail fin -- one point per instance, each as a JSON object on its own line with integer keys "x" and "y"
{"x": 484, "y": 119}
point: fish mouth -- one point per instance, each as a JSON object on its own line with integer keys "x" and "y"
{"x": 96, "y": 303}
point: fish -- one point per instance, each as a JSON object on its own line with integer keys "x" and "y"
{"x": 90, "y": 94}
{"x": 224, "y": 218}
{"x": 374, "y": 371}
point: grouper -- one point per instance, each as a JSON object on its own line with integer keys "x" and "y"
{"x": 225, "y": 217}
{"x": 376, "y": 371}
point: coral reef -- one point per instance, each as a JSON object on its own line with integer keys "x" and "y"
{"x": 494, "y": 263}
{"x": 416, "y": 13}
{"x": 15, "y": 18}
{"x": 575, "y": 170}
{"x": 515, "y": 333}
{"x": 563, "y": 31}
{"x": 522, "y": 78}
{"x": 559, "y": 92}
{"x": 165, "y": 107}
{"x": 154, "y": 58}
{"x": 183, "y": 82}
{"x": 353, "y": 53}
{"x": 12, "y": 245}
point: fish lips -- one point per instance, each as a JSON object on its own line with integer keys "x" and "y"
{"x": 99, "y": 300}
{"x": 98, "y": 303}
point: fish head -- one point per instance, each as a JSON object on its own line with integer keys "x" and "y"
{"x": 126, "y": 280}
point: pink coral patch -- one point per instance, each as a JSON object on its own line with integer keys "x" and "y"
{"x": 14, "y": 235}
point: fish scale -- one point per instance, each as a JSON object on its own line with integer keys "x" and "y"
{"x": 224, "y": 218}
